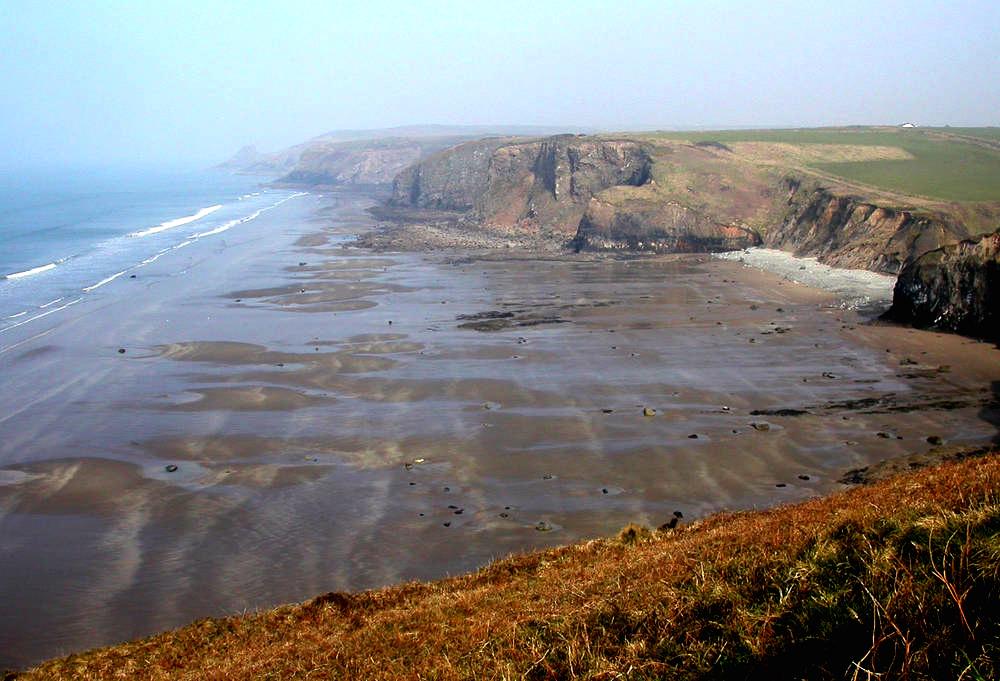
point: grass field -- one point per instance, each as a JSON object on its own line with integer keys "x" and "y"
{"x": 988, "y": 134}
{"x": 945, "y": 168}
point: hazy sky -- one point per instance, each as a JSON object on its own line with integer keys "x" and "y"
{"x": 98, "y": 80}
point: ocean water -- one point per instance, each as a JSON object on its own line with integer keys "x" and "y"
{"x": 66, "y": 233}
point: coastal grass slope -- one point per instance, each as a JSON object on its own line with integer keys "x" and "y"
{"x": 899, "y": 579}
{"x": 947, "y": 164}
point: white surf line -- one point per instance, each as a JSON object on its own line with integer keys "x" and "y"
{"x": 49, "y": 304}
{"x": 19, "y": 314}
{"x": 253, "y": 216}
{"x": 39, "y": 316}
{"x": 176, "y": 222}
{"x": 102, "y": 282}
{"x": 33, "y": 270}
{"x": 154, "y": 258}
{"x": 173, "y": 223}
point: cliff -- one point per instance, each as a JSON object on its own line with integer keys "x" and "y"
{"x": 522, "y": 185}
{"x": 366, "y": 157}
{"x": 650, "y": 194}
{"x": 565, "y": 187}
{"x": 954, "y": 288}
{"x": 364, "y": 162}
{"x": 846, "y": 231}
{"x": 449, "y": 180}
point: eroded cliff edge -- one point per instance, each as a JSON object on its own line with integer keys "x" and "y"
{"x": 614, "y": 194}
{"x": 954, "y": 287}
{"x": 566, "y": 187}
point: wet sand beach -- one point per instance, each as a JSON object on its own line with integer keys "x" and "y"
{"x": 281, "y": 414}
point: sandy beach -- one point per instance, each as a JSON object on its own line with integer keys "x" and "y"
{"x": 281, "y": 413}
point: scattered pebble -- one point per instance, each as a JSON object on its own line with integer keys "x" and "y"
{"x": 763, "y": 427}
{"x": 803, "y": 477}
{"x": 648, "y": 411}
{"x": 781, "y": 484}
{"x": 543, "y": 526}
{"x": 121, "y": 351}
{"x": 693, "y": 436}
{"x": 935, "y": 440}
{"x": 170, "y": 468}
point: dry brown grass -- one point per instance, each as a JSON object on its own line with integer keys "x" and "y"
{"x": 784, "y": 153}
{"x": 895, "y": 580}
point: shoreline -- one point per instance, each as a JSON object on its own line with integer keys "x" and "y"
{"x": 301, "y": 340}
{"x": 426, "y": 231}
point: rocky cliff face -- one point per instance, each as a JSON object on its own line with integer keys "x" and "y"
{"x": 545, "y": 186}
{"x": 659, "y": 226}
{"x": 665, "y": 196}
{"x": 453, "y": 179}
{"x": 846, "y": 232}
{"x": 955, "y": 287}
{"x": 354, "y": 163}
{"x": 533, "y": 186}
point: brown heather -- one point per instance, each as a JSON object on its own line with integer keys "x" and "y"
{"x": 896, "y": 580}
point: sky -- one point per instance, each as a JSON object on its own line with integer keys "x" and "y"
{"x": 85, "y": 82}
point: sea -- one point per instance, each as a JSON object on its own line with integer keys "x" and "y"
{"x": 67, "y": 233}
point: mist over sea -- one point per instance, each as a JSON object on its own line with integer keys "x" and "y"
{"x": 67, "y": 232}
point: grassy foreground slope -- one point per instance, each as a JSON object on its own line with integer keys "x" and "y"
{"x": 948, "y": 164}
{"x": 900, "y": 579}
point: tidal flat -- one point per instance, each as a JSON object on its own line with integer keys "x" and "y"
{"x": 287, "y": 414}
